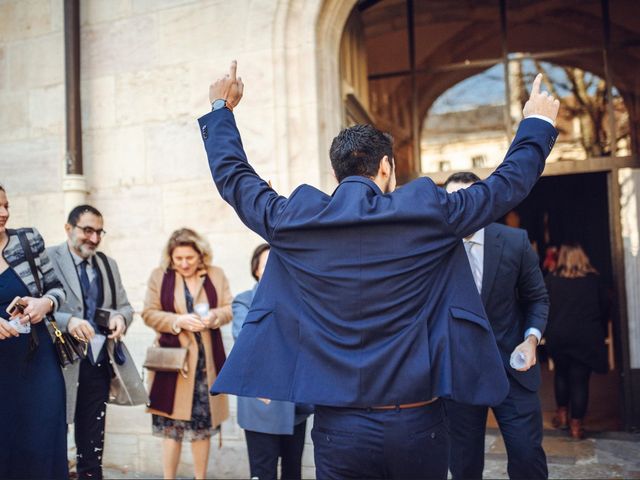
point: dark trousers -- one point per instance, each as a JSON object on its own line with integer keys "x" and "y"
{"x": 519, "y": 417}
{"x": 91, "y": 410}
{"x": 571, "y": 385}
{"x": 265, "y": 448}
{"x": 411, "y": 443}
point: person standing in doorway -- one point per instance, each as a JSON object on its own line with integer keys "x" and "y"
{"x": 575, "y": 337}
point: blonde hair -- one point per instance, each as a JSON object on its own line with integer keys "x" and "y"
{"x": 573, "y": 262}
{"x": 185, "y": 237}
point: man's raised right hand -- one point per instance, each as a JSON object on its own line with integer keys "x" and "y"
{"x": 541, "y": 103}
{"x": 229, "y": 87}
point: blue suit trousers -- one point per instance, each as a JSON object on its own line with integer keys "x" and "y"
{"x": 370, "y": 443}
{"x": 520, "y": 420}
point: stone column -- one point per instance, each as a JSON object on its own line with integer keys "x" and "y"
{"x": 75, "y": 191}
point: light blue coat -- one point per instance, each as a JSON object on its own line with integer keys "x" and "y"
{"x": 277, "y": 417}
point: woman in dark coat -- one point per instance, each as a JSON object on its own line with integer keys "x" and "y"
{"x": 575, "y": 333}
{"x": 33, "y": 429}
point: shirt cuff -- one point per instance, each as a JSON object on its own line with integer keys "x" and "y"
{"x": 533, "y": 331}
{"x": 546, "y": 119}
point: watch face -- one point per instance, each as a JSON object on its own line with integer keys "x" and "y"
{"x": 218, "y": 104}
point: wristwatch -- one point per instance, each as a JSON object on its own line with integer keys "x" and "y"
{"x": 220, "y": 103}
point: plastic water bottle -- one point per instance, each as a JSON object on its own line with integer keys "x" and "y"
{"x": 518, "y": 360}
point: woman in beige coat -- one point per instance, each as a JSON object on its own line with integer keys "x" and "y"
{"x": 180, "y": 403}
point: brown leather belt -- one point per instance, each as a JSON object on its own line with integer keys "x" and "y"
{"x": 405, "y": 405}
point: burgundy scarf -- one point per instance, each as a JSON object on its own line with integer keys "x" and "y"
{"x": 163, "y": 390}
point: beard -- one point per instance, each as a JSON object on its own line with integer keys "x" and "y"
{"x": 85, "y": 248}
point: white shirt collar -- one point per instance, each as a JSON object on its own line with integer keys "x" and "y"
{"x": 77, "y": 259}
{"x": 477, "y": 237}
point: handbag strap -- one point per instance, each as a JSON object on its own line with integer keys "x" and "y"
{"x": 112, "y": 283}
{"x": 34, "y": 341}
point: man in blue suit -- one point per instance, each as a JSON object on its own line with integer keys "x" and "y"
{"x": 509, "y": 280}
{"x": 367, "y": 307}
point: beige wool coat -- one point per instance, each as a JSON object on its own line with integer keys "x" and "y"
{"x": 162, "y": 322}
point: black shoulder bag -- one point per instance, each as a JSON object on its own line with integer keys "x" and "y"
{"x": 68, "y": 348}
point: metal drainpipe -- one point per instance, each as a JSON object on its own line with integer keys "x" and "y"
{"x": 74, "y": 184}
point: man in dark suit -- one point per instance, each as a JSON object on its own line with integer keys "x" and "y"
{"x": 367, "y": 306}
{"x": 509, "y": 280}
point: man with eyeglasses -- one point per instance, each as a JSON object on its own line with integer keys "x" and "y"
{"x": 97, "y": 311}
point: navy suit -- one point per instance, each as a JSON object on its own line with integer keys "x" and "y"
{"x": 367, "y": 298}
{"x": 515, "y": 299}
{"x": 272, "y": 430}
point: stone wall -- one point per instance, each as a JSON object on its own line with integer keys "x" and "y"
{"x": 32, "y": 124}
{"x": 145, "y": 70}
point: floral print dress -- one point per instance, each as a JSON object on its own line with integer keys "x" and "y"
{"x": 199, "y": 427}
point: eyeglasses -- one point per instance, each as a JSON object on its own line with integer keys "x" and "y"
{"x": 89, "y": 231}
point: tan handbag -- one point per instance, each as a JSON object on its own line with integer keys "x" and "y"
{"x": 165, "y": 359}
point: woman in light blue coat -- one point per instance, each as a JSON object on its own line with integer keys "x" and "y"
{"x": 273, "y": 428}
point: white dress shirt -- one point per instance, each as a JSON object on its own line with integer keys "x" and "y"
{"x": 77, "y": 260}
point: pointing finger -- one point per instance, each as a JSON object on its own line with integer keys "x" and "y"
{"x": 535, "y": 88}
{"x": 232, "y": 70}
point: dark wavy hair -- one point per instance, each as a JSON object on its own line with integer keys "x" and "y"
{"x": 461, "y": 177}
{"x": 255, "y": 258}
{"x": 76, "y": 213}
{"x": 358, "y": 150}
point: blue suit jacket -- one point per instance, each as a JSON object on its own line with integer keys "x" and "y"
{"x": 513, "y": 293}
{"x": 277, "y": 417}
{"x": 367, "y": 298}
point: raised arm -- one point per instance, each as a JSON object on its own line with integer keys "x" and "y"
{"x": 255, "y": 202}
{"x": 467, "y": 210}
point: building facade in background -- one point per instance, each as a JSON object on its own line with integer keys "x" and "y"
{"x": 445, "y": 77}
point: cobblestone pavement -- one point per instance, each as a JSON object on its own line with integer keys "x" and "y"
{"x": 610, "y": 455}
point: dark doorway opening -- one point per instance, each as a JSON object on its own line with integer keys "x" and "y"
{"x": 575, "y": 208}
{"x": 571, "y": 208}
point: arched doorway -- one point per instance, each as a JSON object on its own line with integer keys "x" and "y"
{"x": 398, "y": 57}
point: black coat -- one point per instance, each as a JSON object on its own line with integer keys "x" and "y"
{"x": 578, "y": 319}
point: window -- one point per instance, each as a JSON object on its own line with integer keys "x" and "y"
{"x": 478, "y": 161}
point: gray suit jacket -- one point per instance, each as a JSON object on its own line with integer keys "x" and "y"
{"x": 74, "y": 307}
